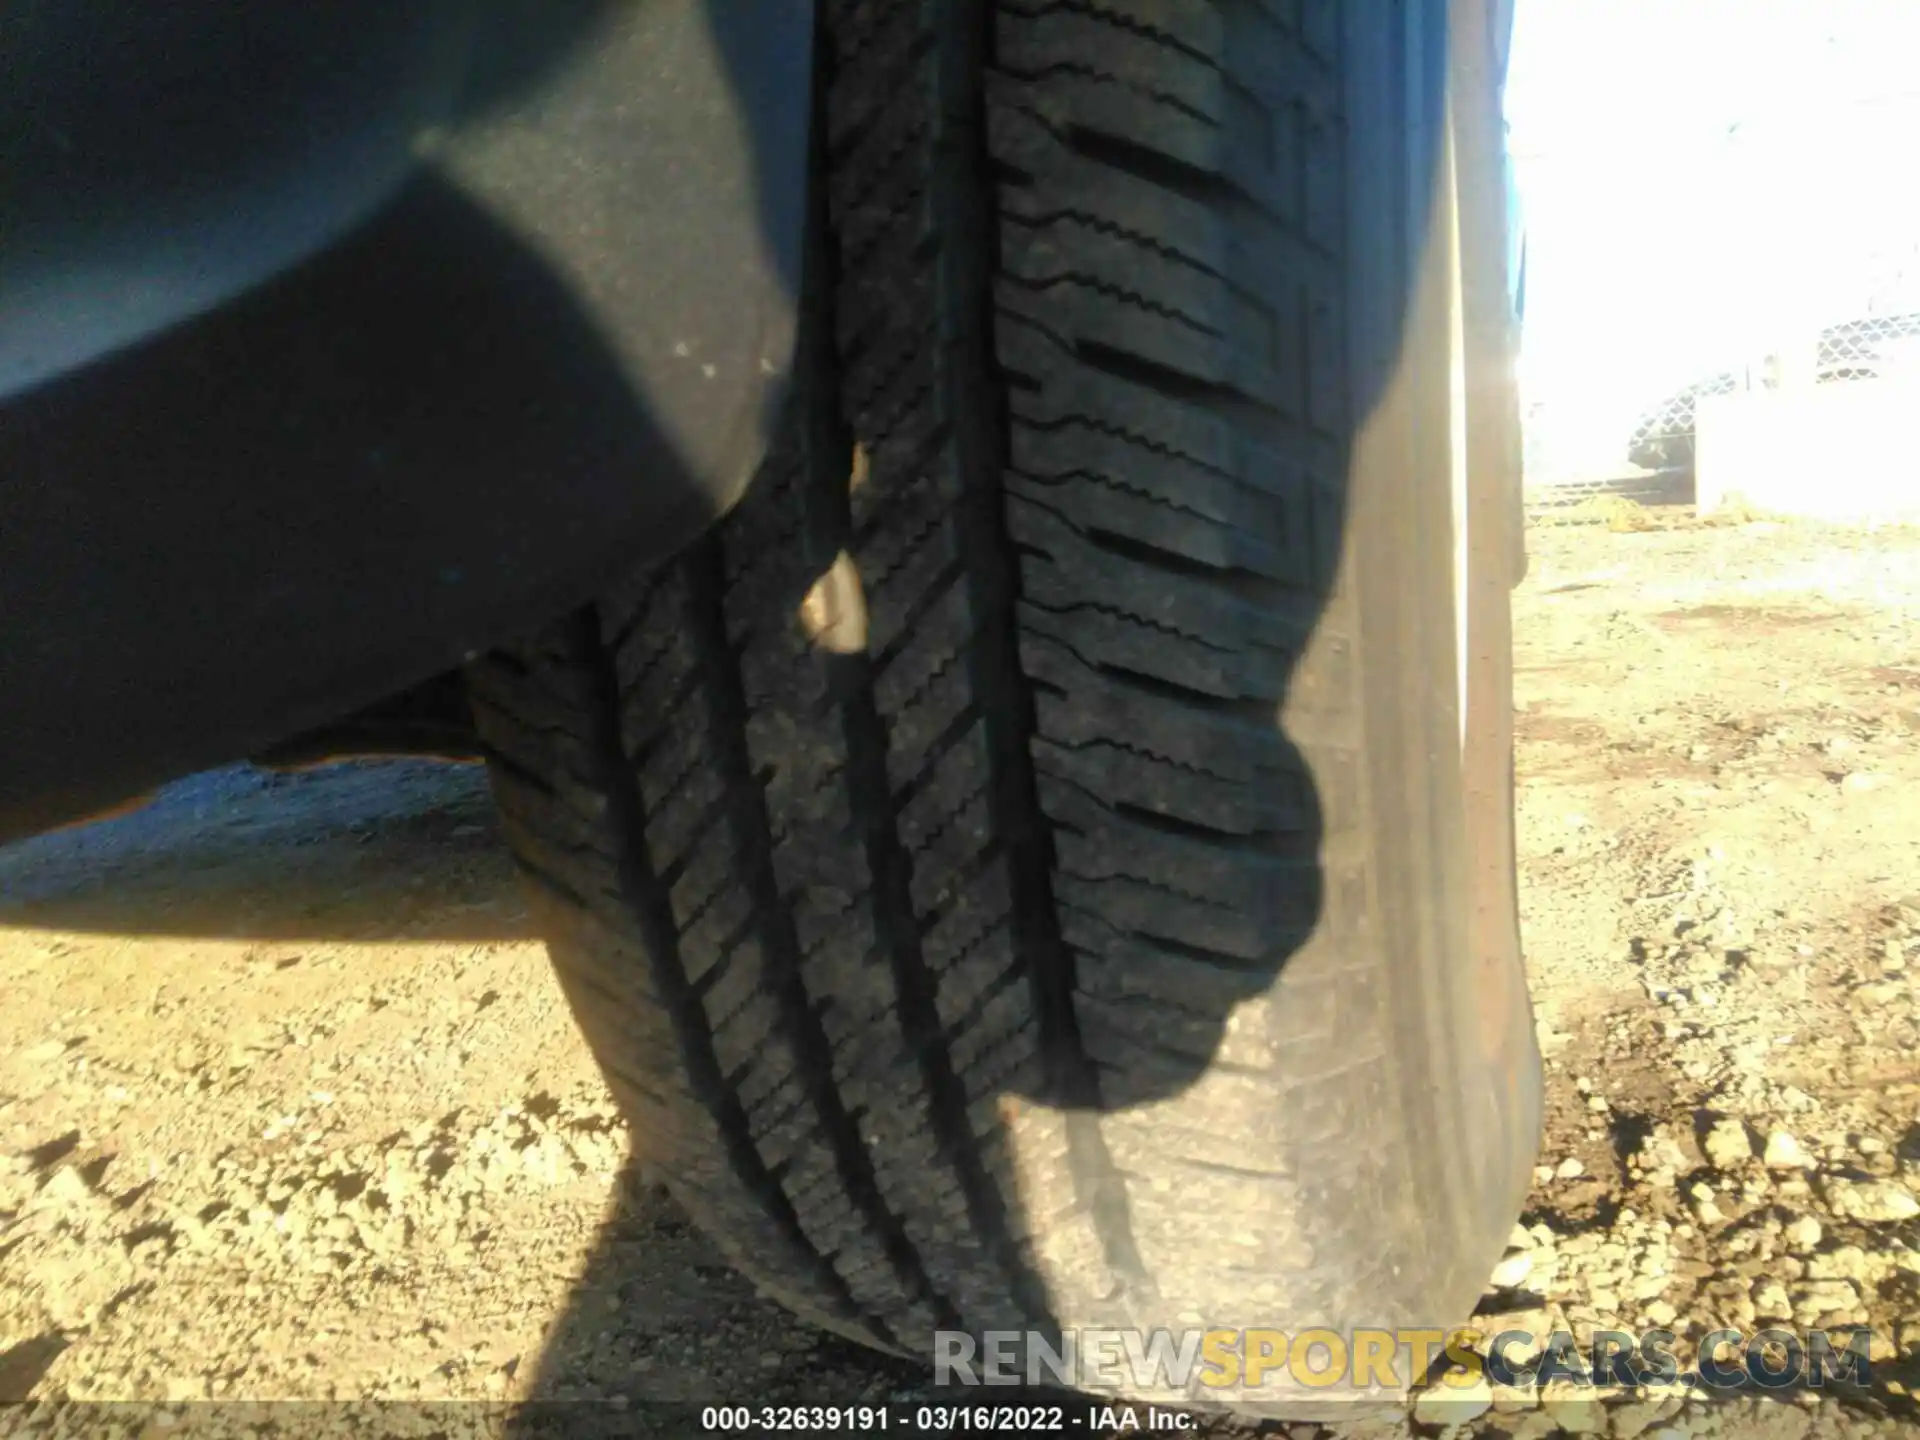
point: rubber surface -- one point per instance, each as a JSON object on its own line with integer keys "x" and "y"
{"x": 1015, "y": 871}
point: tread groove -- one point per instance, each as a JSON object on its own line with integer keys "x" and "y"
{"x": 645, "y": 900}
{"x": 754, "y": 846}
{"x": 1071, "y": 1080}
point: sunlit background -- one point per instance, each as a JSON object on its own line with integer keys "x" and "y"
{"x": 1704, "y": 183}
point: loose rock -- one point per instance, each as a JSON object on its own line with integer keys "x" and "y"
{"x": 1727, "y": 1144}
{"x": 1445, "y": 1404}
{"x": 1783, "y": 1152}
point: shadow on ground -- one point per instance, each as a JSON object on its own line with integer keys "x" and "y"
{"x": 367, "y": 851}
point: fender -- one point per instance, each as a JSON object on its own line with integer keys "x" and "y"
{"x": 339, "y": 342}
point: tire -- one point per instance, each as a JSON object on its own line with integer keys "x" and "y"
{"x": 1031, "y": 865}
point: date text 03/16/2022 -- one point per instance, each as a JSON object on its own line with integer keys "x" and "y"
{"x": 1086, "y": 1417}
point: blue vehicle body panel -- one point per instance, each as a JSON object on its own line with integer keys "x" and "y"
{"x": 337, "y": 342}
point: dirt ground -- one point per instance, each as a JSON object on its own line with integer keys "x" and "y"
{"x": 290, "y": 1107}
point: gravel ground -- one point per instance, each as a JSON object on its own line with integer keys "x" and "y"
{"x": 294, "y": 1110}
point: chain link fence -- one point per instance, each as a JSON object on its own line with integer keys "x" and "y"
{"x": 1780, "y": 257}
